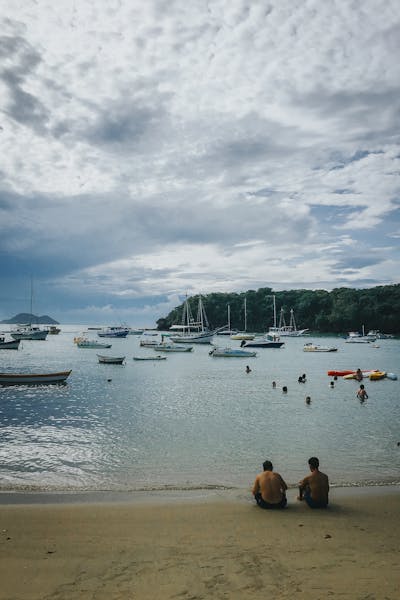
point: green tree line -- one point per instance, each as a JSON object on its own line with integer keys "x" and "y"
{"x": 337, "y": 311}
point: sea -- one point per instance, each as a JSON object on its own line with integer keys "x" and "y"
{"x": 195, "y": 422}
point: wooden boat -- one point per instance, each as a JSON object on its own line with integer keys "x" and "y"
{"x": 9, "y": 344}
{"x": 33, "y": 378}
{"x": 111, "y": 360}
{"x": 157, "y": 357}
{"x": 194, "y": 332}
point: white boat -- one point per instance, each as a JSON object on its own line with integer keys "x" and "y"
{"x": 84, "y": 342}
{"x": 284, "y": 330}
{"x": 53, "y": 330}
{"x": 29, "y": 332}
{"x": 226, "y": 329}
{"x": 231, "y": 352}
{"x": 111, "y": 360}
{"x": 157, "y": 357}
{"x": 9, "y": 344}
{"x": 148, "y": 343}
{"x": 355, "y": 337}
{"x": 194, "y": 332}
{"x": 168, "y": 347}
{"x": 310, "y": 347}
{"x": 243, "y": 335}
{"x": 33, "y": 378}
{"x": 114, "y": 332}
{"x": 379, "y": 335}
{"x": 266, "y": 341}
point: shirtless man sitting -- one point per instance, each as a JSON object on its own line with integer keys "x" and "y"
{"x": 314, "y": 488}
{"x": 269, "y": 488}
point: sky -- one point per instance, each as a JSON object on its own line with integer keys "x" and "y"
{"x": 154, "y": 149}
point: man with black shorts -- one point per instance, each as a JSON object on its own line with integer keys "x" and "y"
{"x": 269, "y": 489}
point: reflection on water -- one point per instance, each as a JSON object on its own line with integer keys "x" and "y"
{"x": 194, "y": 420}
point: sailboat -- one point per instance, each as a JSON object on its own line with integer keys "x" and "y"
{"x": 243, "y": 335}
{"x": 286, "y": 330}
{"x": 29, "y": 331}
{"x": 226, "y": 330}
{"x": 194, "y": 332}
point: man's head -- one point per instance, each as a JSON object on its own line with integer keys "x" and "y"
{"x": 313, "y": 462}
{"x": 267, "y": 465}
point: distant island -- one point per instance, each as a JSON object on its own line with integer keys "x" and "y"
{"x": 29, "y": 318}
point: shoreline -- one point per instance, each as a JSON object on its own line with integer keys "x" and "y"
{"x": 221, "y": 547}
{"x": 173, "y": 495}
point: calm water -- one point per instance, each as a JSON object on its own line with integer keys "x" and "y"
{"x": 192, "y": 420}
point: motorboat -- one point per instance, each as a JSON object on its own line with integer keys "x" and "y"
{"x": 84, "y": 342}
{"x": 168, "y": 347}
{"x": 111, "y": 360}
{"x": 231, "y": 353}
{"x": 33, "y": 378}
{"x": 194, "y": 331}
{"x": 53, "y": 330}
{"x": 114, "y": 332}
{"x": 379, "y": 335}
{"x": 310, "y": 347}
{"x": 355, "y": 337}
{"x": 9, "y": 344}
{"x": 265, "y": 341}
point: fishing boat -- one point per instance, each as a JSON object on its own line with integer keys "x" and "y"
{"x": 114, "y": 332}
{"x": 111, "y": 360}
{"x": 243, "y": 335}
{"x": 310, "y": 347}
{"x": 231, "y": 353}
{"x": 33, "y": 378}
{"x": 168, "y": 347}
{"x": 285, "y": 330}
{"x": 84, "y": 342}
{"x": 194, "y": 332}
{"x": 9, "y": 344}
{"x": 157, "y": 357}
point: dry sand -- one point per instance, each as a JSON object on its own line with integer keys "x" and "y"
{"x": 224, "y": 548}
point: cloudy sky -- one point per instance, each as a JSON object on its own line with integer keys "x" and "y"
{"x": 154, "y": 148}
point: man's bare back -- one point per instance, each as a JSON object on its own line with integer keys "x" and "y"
{"x": 269, "y": 487}
{"x": 315, "y": 487}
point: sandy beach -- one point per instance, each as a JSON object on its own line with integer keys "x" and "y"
{"x": 223, "y": 547}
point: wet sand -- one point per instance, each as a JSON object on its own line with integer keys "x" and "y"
{"x": 221, "y": 546}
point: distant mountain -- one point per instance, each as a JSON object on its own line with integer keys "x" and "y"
{"x": 28, "y": 318}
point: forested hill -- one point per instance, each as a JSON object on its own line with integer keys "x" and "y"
{"x": 338, "y": 311}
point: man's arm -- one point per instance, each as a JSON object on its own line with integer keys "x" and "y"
{"x": 283, "y": 484}
{"x": 256, "y": 486}
{"x": 302, "y": 486}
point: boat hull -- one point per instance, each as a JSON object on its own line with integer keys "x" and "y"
{"x": 201, "y": 338}
{"x": 10, "y": 345}
{"x": 33, "y": 378}
{"x": 29, "y": 335}
{"x": 111, "y": 360}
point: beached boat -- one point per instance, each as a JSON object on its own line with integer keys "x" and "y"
{"x": 114, "y": 332}
{"x": 194, "y": 332}
{"x": 310, "y": 347}
{"x": 157, "y": 357}
{"x": 9, "y": 344}
{"x": 33, "y": 378}
{"x": 111, "y": 360}
{"x": 231, "y": 353}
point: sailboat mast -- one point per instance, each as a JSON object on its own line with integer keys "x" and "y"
{"x": 229, "y": 317}
{"x": 274, "y": 305}
{"x": 245, "y": 314}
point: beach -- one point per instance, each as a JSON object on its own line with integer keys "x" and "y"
{"x": 219, "y": 545}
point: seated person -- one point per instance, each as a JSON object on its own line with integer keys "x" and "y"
{"x": 269, "y": 489}
{"x": 314, "y": 488}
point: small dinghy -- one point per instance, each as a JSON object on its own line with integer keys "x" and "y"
{"x": 111, "y": 360}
